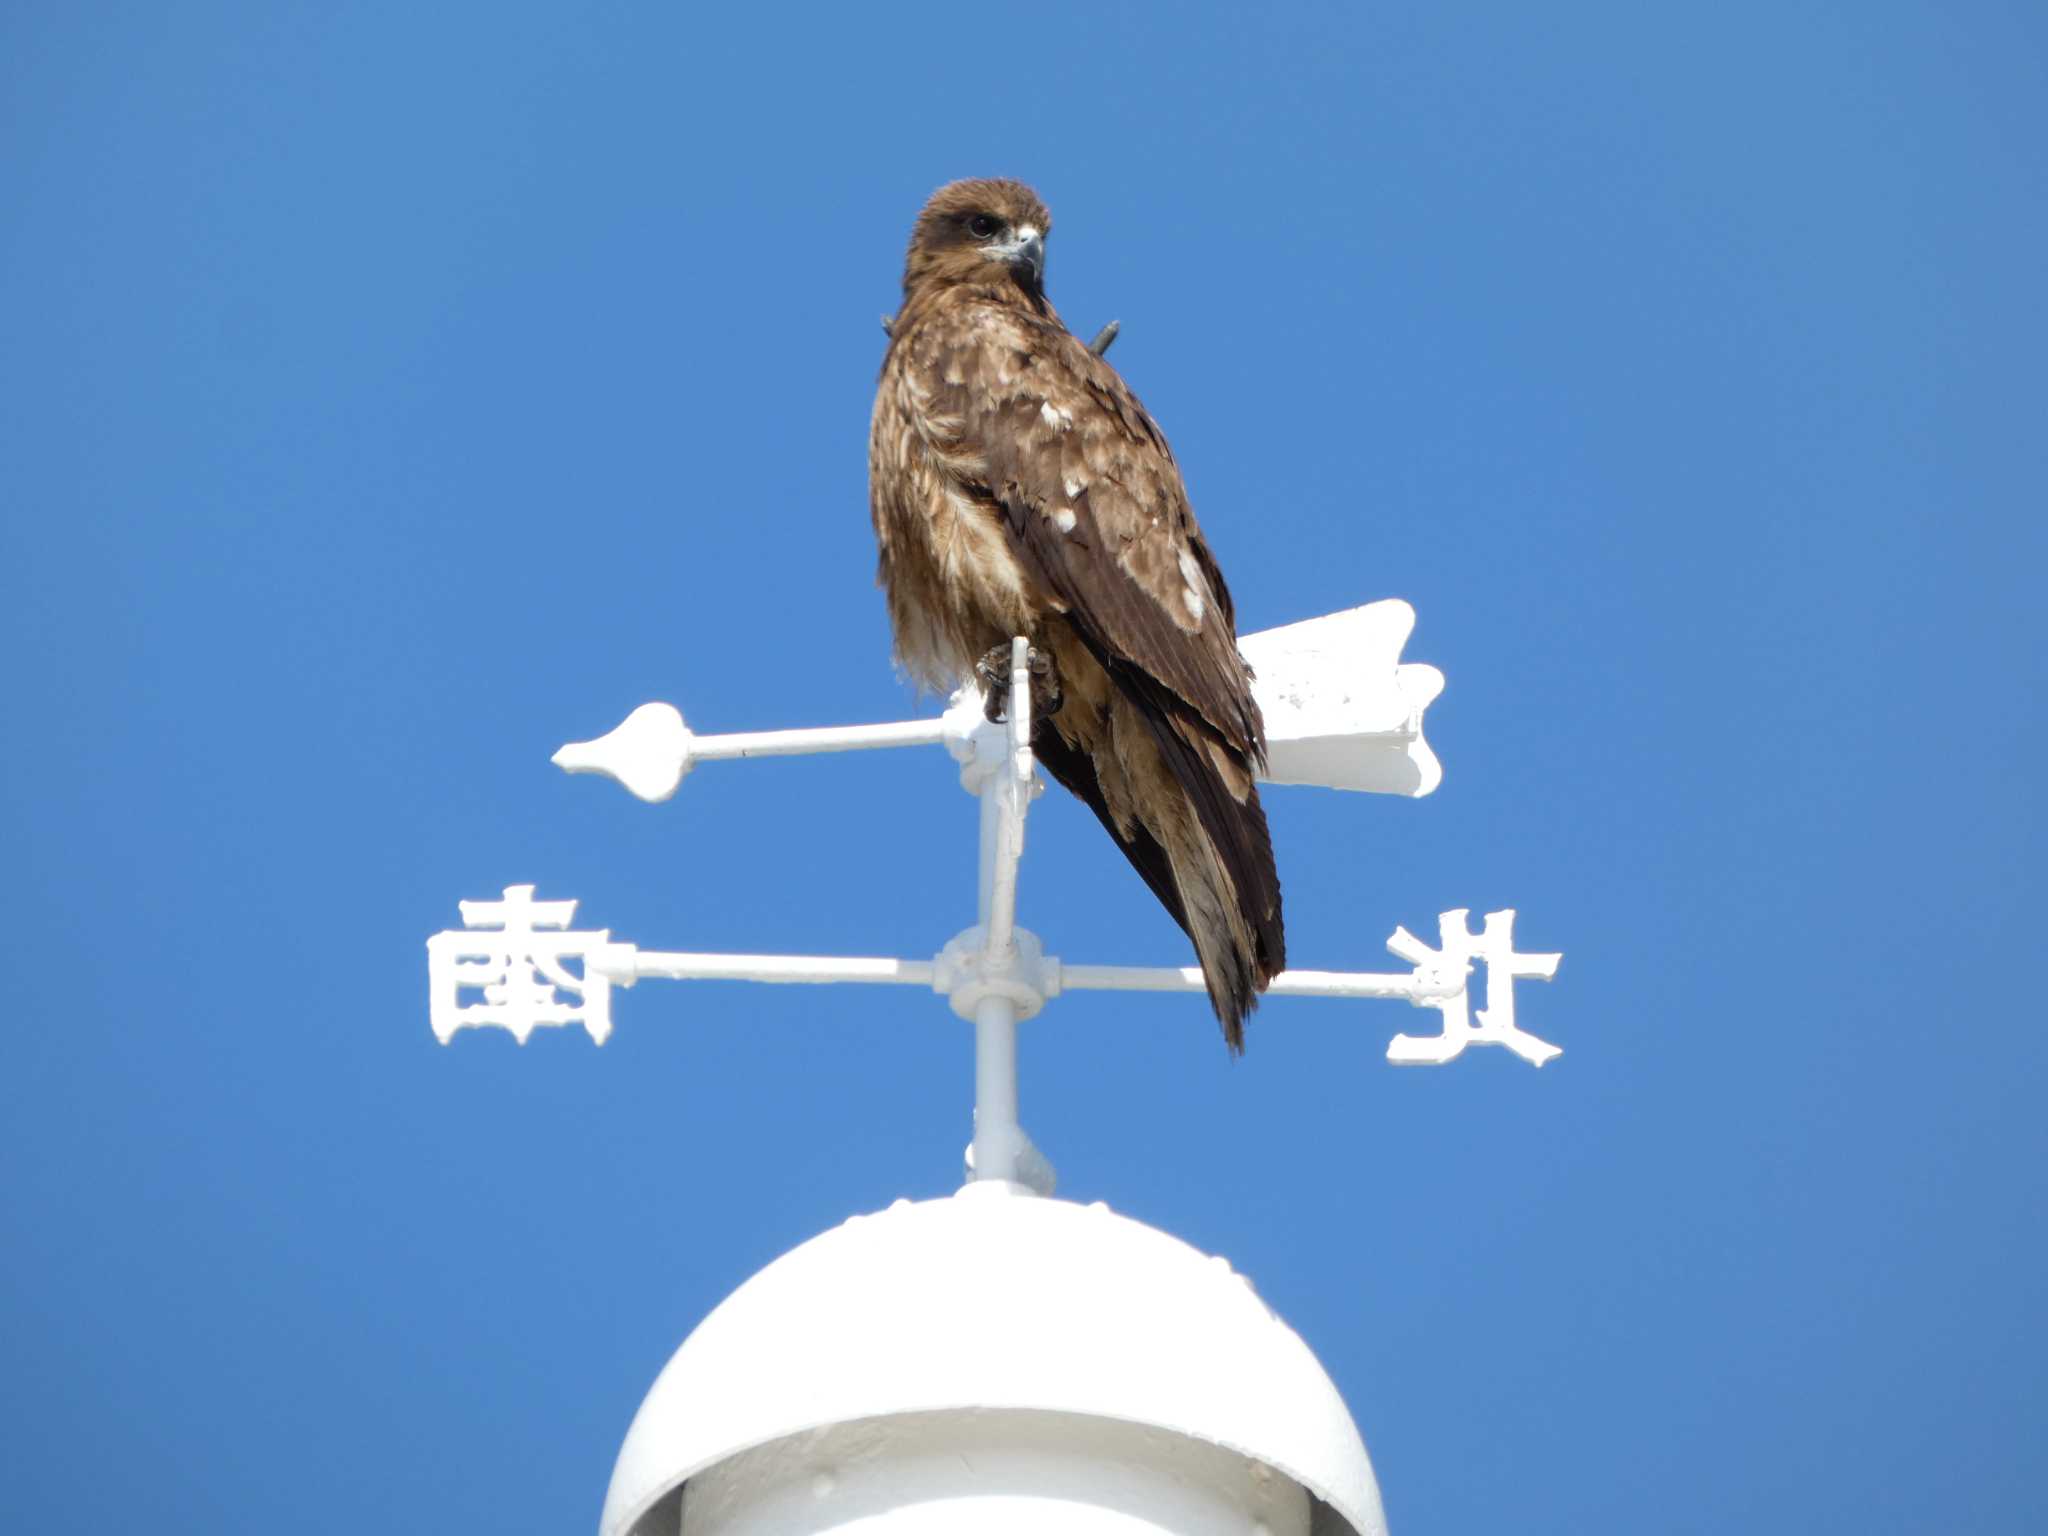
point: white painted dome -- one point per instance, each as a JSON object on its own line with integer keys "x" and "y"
{"x": 995, "y": 1299}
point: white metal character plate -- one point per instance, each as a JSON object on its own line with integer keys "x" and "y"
{"x": 509, "y": 952}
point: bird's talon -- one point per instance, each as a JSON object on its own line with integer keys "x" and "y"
{"x": 993, "y": 673}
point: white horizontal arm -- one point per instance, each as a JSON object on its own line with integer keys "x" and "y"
{"x": 515, "y": 961}
{"x": 651, "y": 750}
{"x": 1414, "y": 987}
{"x": 1341, "y": 710}
{"x": 826, "y": 738}
{"x": 623, "y": 965}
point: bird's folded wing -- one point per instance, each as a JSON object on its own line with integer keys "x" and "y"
{"x": 1093, "y": 501}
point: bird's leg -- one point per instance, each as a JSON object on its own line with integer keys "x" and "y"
{"x": 1046, "y": 693}
{"x": 993, "y": 673}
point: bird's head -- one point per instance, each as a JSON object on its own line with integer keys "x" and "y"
{"x": 980, "y": 232}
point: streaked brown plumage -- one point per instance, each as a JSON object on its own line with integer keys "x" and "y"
{"x": 1018, "y": 487}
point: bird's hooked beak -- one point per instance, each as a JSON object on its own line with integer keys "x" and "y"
{"x": 1025, "y": 251}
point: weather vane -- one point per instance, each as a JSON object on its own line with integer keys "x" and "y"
{"x": 1341, "y": 711}
{"x": 1035, "y": 538}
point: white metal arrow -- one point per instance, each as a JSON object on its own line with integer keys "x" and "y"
{"x": 1341, "y": 708}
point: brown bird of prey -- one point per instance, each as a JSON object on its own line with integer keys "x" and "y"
{"x": 1019, "y": 488}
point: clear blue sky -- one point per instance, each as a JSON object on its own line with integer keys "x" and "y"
{"x": 392, "y": 393}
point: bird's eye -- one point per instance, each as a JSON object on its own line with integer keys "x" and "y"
{"x": 982, "y": 225}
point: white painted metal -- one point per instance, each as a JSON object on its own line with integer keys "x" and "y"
{"x": 1419, "y": 987}
{"x": 651, "y": 750}
{"x": 1494, "y": 945}
{"x": 993, "y": 1473}
{"x": 996, "y": 974}
{"x": 512, "y": 953}
{"x": 1006, "y": 793}
{"x": 998, "y": 1137}
{"x": 524, "y": 984}
{"x": 992, "y": 1361}
{"x": 645, "y": 964}
{"x": 1341, "y": 708}
{"x": 869, "y": 1355}
{"x": 999, "y": 766}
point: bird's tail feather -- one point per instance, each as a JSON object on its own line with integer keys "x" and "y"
{"x": 1229, "y": 969}
{"x": 1222, "y": 859}
{"x": 1205, "y": 851}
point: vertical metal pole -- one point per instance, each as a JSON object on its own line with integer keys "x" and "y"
{"x": 998, "y": 1139}
{"x": 991, "y": 830}
{"x": 1007, "y": 791}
